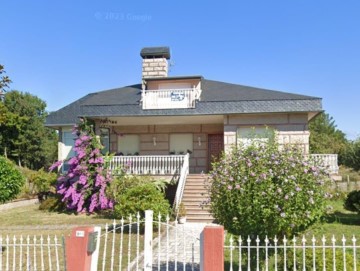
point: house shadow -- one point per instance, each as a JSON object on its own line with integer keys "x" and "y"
{"x": 343, "y": 218}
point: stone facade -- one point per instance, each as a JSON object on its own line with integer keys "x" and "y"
{"x": 290, "y": 128}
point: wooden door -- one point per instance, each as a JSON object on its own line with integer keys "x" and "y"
{"x": 216, "y": 146}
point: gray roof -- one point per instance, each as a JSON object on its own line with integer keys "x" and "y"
{"x": 216, "y": 98}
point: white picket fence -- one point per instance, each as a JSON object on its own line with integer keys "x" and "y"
{"x": 293, "y": 254}
{"x": 31, "y": 253}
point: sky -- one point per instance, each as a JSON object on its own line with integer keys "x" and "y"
{"x": 63, "y": 50}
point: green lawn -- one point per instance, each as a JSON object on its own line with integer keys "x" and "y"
{"x": 30, "y": 220}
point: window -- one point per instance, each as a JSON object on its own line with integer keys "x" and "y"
{"x": 68, "y": 140}
{"x": 105, "y": 140}
{"x": 181, "y": 143}
{"x": 245, "y": 135}
{"x": 128, "y": 144}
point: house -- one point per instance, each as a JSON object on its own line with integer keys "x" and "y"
{"x": 177, "y": 124}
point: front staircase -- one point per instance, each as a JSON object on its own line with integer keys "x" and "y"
{"x": 195, "y": 193}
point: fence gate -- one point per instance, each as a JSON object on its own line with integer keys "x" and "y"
{"x": 148, "y": 244}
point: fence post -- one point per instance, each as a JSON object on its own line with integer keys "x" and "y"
{"x": 212, "y": 249}
{"x": 82, "y": 249}
{"x": 148, "y": 240}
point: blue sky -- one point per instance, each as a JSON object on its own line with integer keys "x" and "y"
{"x": 62, "y": 50}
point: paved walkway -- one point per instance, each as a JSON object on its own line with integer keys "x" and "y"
{"x": 180, "y": 247}
{"x": 16, "y": 204}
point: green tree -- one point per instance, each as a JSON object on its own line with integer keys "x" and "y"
{"x": 351, "y": 156}
{"x": 325, "y": 137}
{"x": 24, "y": 138}
{"x": 4, "y": 80}
{"x": 4, "y": 84}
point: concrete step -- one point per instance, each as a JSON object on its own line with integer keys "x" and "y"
{"x": 195, "y": 193}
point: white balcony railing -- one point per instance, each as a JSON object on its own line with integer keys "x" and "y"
{"x": 330, "y": 161}
{"x": 170, "y": 98}
{"x": 184, "y": 172}
{"x": 149, "y": 164}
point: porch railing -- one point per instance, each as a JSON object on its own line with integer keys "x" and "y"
{"x": 149, "y": 164}
{"x": 181, "y": 184}
{"x": 329, "y": 161}
{"x": 170, "y": 98}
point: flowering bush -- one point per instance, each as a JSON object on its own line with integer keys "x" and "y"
{"x": 83, "y": 187}
{"x": 263, "y": 189}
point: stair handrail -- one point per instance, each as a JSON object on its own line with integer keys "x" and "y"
{"x": 181, "y": 184}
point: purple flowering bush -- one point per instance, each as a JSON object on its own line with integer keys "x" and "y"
{"x": 83, "y": 187}
{"x": 262, "y": 189}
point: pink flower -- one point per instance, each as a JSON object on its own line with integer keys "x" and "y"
{"x": 55, "y": 165}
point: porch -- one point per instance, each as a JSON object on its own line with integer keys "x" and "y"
{"x": 172, "y": 164}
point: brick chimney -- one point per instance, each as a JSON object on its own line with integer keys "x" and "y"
{"x": 155, "y": 62}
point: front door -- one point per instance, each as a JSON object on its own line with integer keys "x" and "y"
{"x": 216, "y": 146}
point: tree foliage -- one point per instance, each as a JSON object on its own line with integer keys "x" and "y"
{"x": 263, "y": 190}
{"x": 23, "y": 137}
{"x": 351, "y": 156}
{"x": 325, "y": 137}
{"x": 4, "y": 80}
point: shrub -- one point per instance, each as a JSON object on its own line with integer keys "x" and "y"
{"x": 352, "y": 201}
{"x": 44, "y": 181}
{"x": 11, "y": 180}
{"x": 263, "y": 189}
{"x": 319, "y": 261}
{"x": 123, "y": 181}
{"x": 139, "y": 198}
{"x": 52, "y": 204}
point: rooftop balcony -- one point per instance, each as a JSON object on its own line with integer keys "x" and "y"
{"x": 170, "y": 98}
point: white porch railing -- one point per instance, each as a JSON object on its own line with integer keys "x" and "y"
{"x": 329, "y": 160}
{"x": 181, "y": 184}
{"x": 170, "y": 98}
{"x": 149, "y": 164}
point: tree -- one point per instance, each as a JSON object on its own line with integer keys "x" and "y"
{"x": 24, "y": 138}
{"x": 351, "y": 156}
{"x": 325, "y": 137}
{"x": 4, "y": 81}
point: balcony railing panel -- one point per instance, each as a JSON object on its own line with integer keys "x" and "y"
{"x": 330, "y": 161}
{"x": 169, "y": 98}
{"x": 149, "y": 164}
